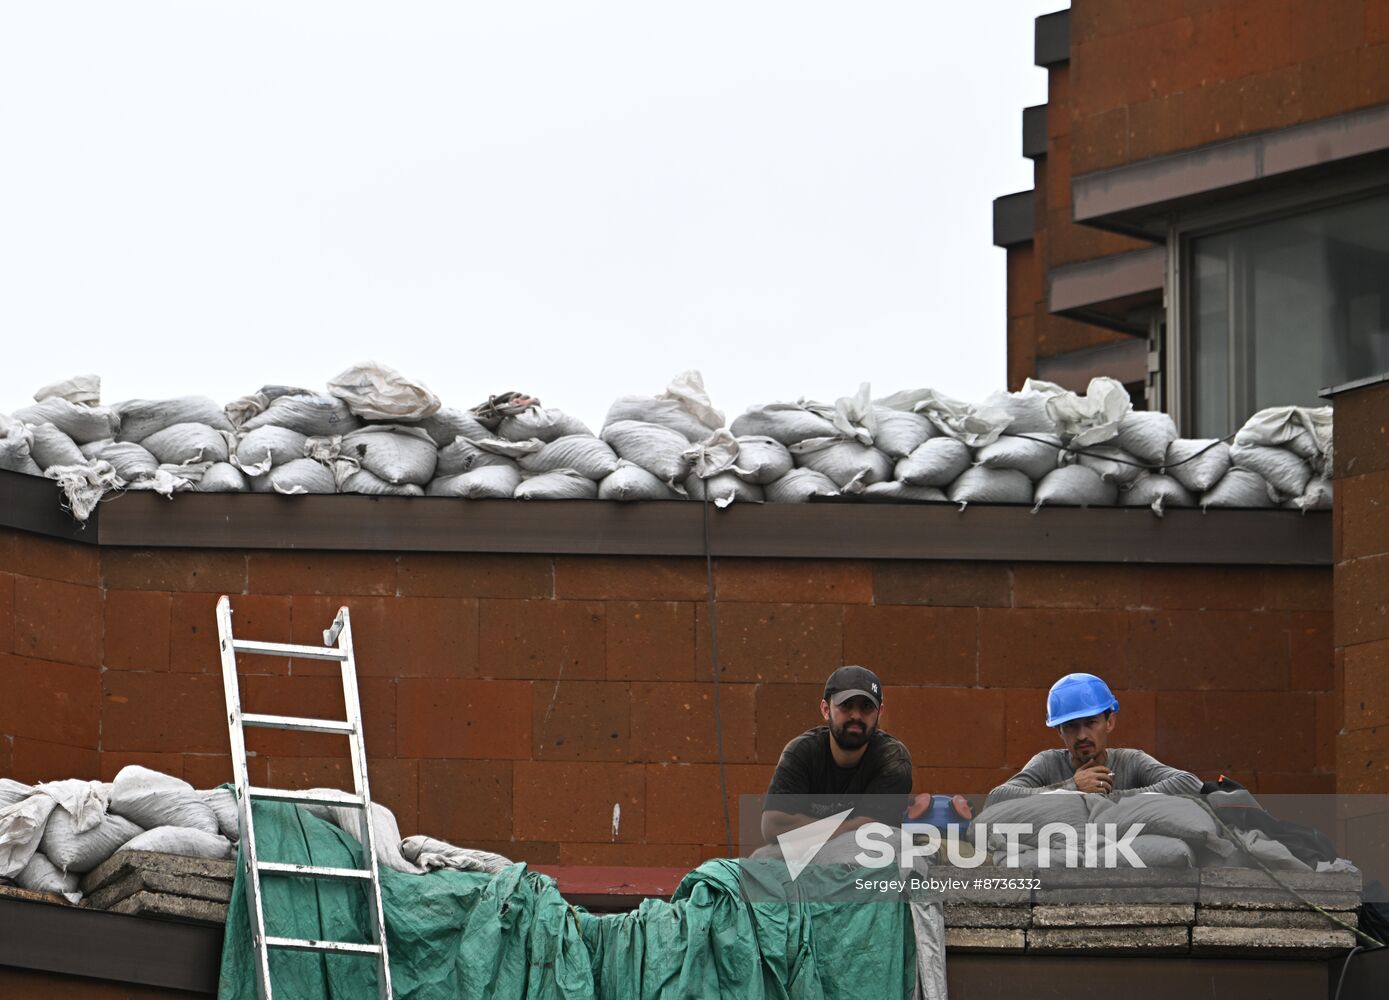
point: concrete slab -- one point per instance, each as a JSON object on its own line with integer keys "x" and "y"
{"x": 1270, "y": 941}
{"x": 984, "y": 939}
{"x": 1134, "y": 895}
{"x": 1256, "y": 878}
{"x": 1109, "y": 940}
{"x": 964, "y": 915}
{"x": 122, "y": 863}
{"x": 157, "y": 904}
{"x": 1138, "y": 915}
{"x": 187, "y": 886}
{"x": 1275, "y": 899}
{"x": 1117, "y": 878}
{"x": 1295, "y": 919}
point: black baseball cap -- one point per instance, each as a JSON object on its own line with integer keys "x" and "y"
{"x": 850, "y": 682}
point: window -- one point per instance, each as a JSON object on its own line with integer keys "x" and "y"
{"x": 1277, "y": 309}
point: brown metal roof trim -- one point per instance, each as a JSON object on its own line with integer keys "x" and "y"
{"x": 849, "y": 529}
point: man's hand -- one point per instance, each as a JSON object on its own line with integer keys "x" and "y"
{"x": 1093, "y": 776}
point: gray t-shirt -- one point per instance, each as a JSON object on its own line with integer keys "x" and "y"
{"x": 1134, "y": 771}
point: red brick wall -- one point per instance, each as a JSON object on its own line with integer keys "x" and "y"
{"x": 1362, "y": 588}
{"x": 510, "y": 701}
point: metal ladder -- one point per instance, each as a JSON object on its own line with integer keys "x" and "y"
{"x": 337, "y": 645}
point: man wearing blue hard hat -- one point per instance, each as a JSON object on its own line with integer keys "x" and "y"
{"x": 1081, "y": 708}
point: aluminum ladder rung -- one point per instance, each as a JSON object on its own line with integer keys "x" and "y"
{"x": 313, "y": 871}
{"x": 288, "y": 649}
{"x": 297, "y": 724}
{"x": 304, "y": 944}
{"x": 321, "y": 797}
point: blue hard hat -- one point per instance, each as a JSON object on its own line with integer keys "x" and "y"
{"x": 1078, "y": 696}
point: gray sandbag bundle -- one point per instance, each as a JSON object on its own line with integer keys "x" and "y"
{"x": 185, "y": 443}
{"x": 787, "y": 423}
{"x": 723, "y": 489}
{"x": 659, "y": 450}
{"x": 982, "y": 485}
{"x": 311, "y": 414}
{"x": 72, "y": 849}
{"x": 558, "y": 484}
{"x": 844, "y": 461}
{"x": 799, "y": 486}
{"x": 938, "y": 461}
{"x": 264, "y": 447}
{"x": 1317, "y": 496}
{"x": 82, "y": 423}
{"x": 1284, "y": 470}
{"x": 351, "y": 478}
{"x": 897, "y": 433}
{"x": 151, "y": 799}
{"x": 897, "y": 490}
{"x": 1154, "y": 490}
{"x": 1240, "y": 488}
{"x": 1113, "y": 465}
{"x": 540, "y": 424}
{"x": 295, "y": 478}
{"x": 374, "y": 391}
{"x": 488, "y": 482}
{"x": 223, "y": 477}
{"x": 1033, "y": 454}
{"x": 1074, "y": 486}
{"x": 49, "y": 446}
{"x": 392, "y": 453}
{"x": 15, "y": 455}
{"x": 1197, "y": 465}
{"x": 583, "y": 453}
{"x": 632, "y": 482}
{"x": 684, "y": 408}
{"x": 140, "y": 418}
{"x": 466, "y": 454}
{"x": 1146, "y": 435}
{"x": 446, "y": 426}
{"x": 762, "y": 460}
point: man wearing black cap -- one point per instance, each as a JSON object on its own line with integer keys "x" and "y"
{"x": 829, "y": 767}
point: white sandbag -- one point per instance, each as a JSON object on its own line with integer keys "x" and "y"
{"x": 631, "y": 482}
{"x": 854, "y": 417}
{"x": 1027, "y": 409}
{"x": 561, "y": 484}
{"x": 1316, "y": 497}
{"x": 787, "y": 423}
{"x": 92, "y": 449}
{"x": 311, "y": 414}
{"x": 223, "y": 477}
{"x": 843, "y": 461}
{"x": 385, "y": 831}
{"x": 1033, "y": 454}
{"x": 1306, "y": 431}
{"x": 50, "y": 446}
{"x": 355, "y": 480}
{"x": 448, "y": 425}
{"x": 904, "y": 491}
{"x": 170, "y": 479}
{"x": 464, "y": 455}
{"x": 1197, "y": 464}
{"x": 139, "y": 418}
{"x": 588, "y": 455}
{"x": 1093, "y": 418}
{"x": 684, "y": 407}
{"x": 898, "y": 433}
{"x": 15, "y": 455}
{"x": 715, "y": 454}
{"x": 659, "y": 450}
{"x": 242, "y": 409}
{"x": 485, "y": 483}
{"x": 723, "y": 489}
{"x": 1152, "y": 489}
{"x": 222, "y": 802}
{"x": 1240, "y": 488}
{"x": 976, "y": 426}
{"x": 1146, "y": 434}
{"x": 303, "y": 475}
{"x": 41, "y": 875}
{"x": 799, "y": 485}
{"x": 762, "y": 459}
{"x": 188, "y": 842}
{"x": 1074, "y": 486}
{"x": 1113, "y": 465}
{"x": 264, "y": 447}
{"x": 131, "y": 461}
{"x": 84, "y": 485}
{"x": 937, "y": 462}
{"x": 151, "y": 799}
{"x": 81, "y": 423}
{"x": 393, "y": 453}
{"x": 1286, "y": 472}
{"x": 12, "y": 791}
{"x": 71, "y": 850}
{"x": 543, "y": 424}
{"x": 179, "y": 444}
{"x": 84, "y": 390}
{"x": 374, "y": 391}
{"x": 981, "y": 485}
{"x": 434, "y": 855}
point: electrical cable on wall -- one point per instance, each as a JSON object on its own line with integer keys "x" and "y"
{"x": 714, "y": 666}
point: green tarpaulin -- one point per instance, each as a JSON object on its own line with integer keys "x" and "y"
{"x": 468, "y": 935}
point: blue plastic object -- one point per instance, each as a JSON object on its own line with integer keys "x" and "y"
{"x": 1078, "y": 696}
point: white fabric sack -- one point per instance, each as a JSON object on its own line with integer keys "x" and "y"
{"x": 1034, "y": 455}
{"x": 311, "y": 414}
{"x": 1306, "y": 431}
{"x": 1093, "y": 418}
{"x": 303, "y": 475}
{"x": 1146, "y": 434}
{"x": 1113, "y": 465}
{"x": 130, "y": 460}
{"x": 464, "y": 455}
{"x": 937, "y": 462}
{"x": 72, "y": 850}
{"x": 561, "y": 484}
{"x": 139, "y": 418}
{"x": 21, "y": 828}
{"x": 843, "y": 461}
{"x": 223, "y": 477}
{"x": 14, "y": 451}
{"x": 1240, "y": 488}
{"x": 393, "y": 453}
{"x": 50, "y": 446}
{"x": 1316, "y": 497}
{"x": 1027, "y": 409}
{"x": 716, "y": 454}
{"x": 787, "y": 423}
{"x": 83, "y": 424}
{"x": 189, "y": 842}
{"x": 242, "y": 409}
{"x": 981, "y": 485}
{"x": 1075, "y": 486}
{"x": 723, "y": 489}
{"x": 485, "y": 483}
{"x": 170, "y": 479}
{"x": 12, "y": 791}
{"x": 976, "y": 426}
{"x": 222, "y": 802}
{"x": 84, "y": 801}
{"x": 355, "y": 480}
{"x": 433, "y": 855}
{"x": 1197, "y": 465}
{"x": 92, "y": 449}
{"x": 448, "y": 425}
{"x": 1285, "y": 471}
{"x": 854, "y": 417}
{"x": 374, "y": 391}
{"x": 152, "y": 799}
{"x": 904, "y": 491}
{"x": 684, "y": 407}
{"x": 179, "y": 444}
{"x": 898, "y": 432}
{"x": 84, "y": 485}
{"x": 1152, "y": 489}
{"x": 583, "y": 453}
{"x": 632, "y": 482}
{"x": 799, "y": 485}
{"x": 264, "y": 447}
{"x": 763, "y": 459}
{"x": 385, "y": 831}
{"x": 41, "y": 875}
{"x": 543, "y": 424}
{"x": 84, "y": 390}
{"x": 659, "y": 450}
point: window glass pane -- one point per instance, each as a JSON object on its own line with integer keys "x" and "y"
{"x": 1283, "y": 308}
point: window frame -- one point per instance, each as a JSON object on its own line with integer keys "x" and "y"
{"x": 1237, "y": 213}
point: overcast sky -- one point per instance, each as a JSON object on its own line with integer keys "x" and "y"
{"x": 576, "y": 199}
